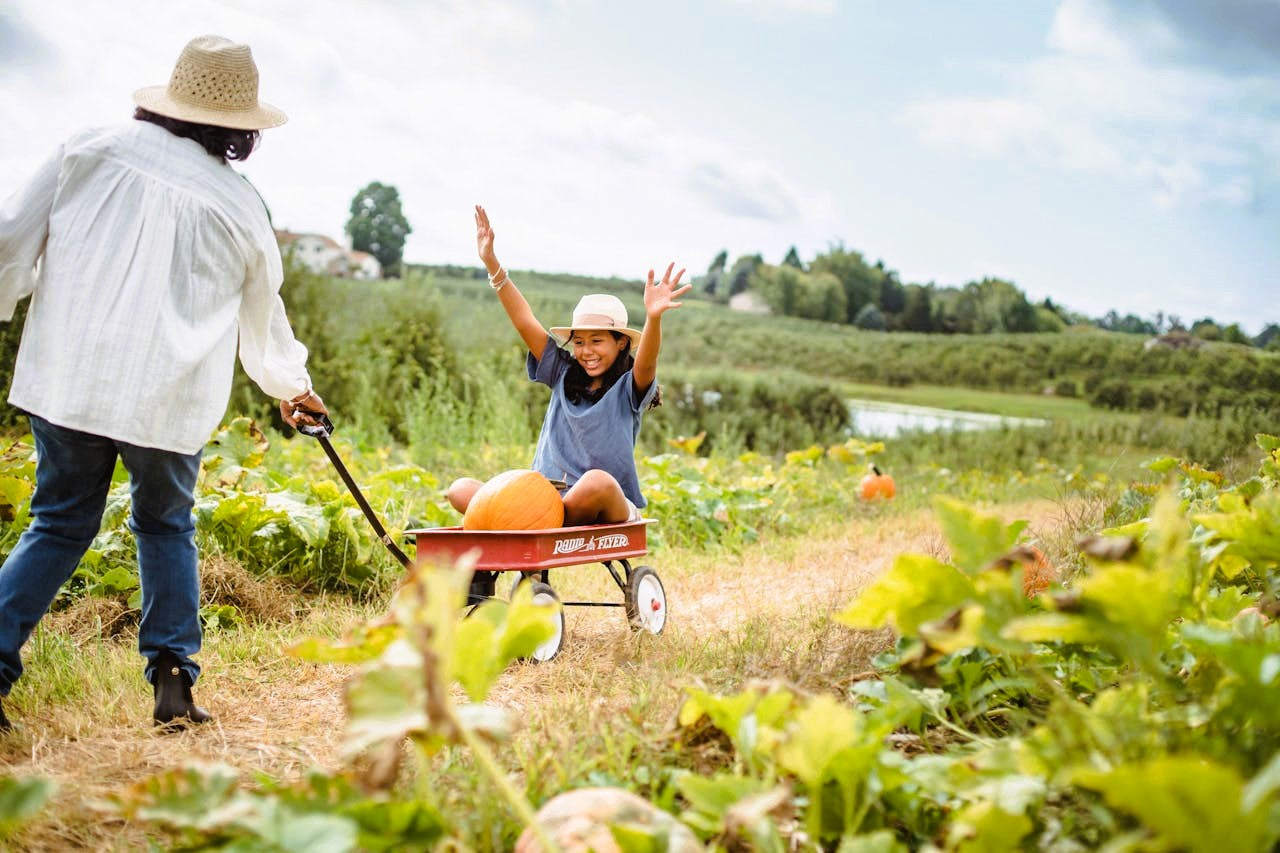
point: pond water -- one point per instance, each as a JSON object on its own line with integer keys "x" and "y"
{"x": 874, "y": 419}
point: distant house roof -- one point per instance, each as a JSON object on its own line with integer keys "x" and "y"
{"x": 284, "y": 238}
{"x": 326, "y": 255}
{"x": 1175, "y": 339}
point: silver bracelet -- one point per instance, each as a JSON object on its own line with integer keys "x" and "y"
{"x": 497, "y": 282}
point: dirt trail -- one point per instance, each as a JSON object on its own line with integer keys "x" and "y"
{"x": 281, "y": 716}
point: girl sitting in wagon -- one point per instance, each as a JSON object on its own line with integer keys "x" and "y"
{"x": 599, "y": 391}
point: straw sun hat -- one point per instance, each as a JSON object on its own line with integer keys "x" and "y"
{"x": 598, "y": 311}
{"x": 215, "y": 81}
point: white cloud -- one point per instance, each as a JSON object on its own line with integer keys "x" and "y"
{"x": 1095, "y": 104}
{"x": 770, "y": 8}
{"x": 421, "y": 96}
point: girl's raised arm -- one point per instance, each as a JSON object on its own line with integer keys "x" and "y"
{"x": 659, "y": 297}
{"x": 513, "y": 301}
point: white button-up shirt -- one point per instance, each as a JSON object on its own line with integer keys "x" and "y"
{"x": 153, "y": 256}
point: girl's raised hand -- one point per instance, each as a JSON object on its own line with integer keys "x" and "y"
{"x": 484, "y": 239}
{"x": 661, "y": 295}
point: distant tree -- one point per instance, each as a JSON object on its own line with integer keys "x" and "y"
{"x": 795, "y": 293}
{"x": 793, "y": 259}
{"x": 1206, "y": 329}
{"x": 892, "y": 298}
{"x": 779, "y": 287}
{"x": 378, "y": 226}
{"x": 955, "y": 310}
{"x": 1268, "y": 338}
{"x": 870, "y": 317}
{"x": 860, "y": 280}
{"x": 1048, "y": 320}
{"x": 741, "y": 272}
{"x": 1000, "y": 307}
{"x": 1233, "y": 334}
{"x": 916, "y": 309}
{"x": 824, "y": 298}
{"x": 715, "y": 272}
{"x": 1129, "y": 323}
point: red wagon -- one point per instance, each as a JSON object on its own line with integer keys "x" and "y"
{"x": 531, "y": 553}
{"x": 534, "y": 553}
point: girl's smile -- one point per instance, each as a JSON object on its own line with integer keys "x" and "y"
{"x": 596, "y": 351}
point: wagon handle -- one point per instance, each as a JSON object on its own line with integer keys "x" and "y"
{"x": 320, "y": 431}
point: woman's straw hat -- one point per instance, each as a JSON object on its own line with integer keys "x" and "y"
{"x": 214, "y": 82}
{"x": 598, "y": 311}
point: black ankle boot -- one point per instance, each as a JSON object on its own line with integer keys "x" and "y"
{"x": 174, "y": 706}
{"x": 5, "y": 725}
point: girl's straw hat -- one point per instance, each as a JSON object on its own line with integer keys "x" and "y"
{"x": 214, "y": 82}
{"x": 598, "y": 311}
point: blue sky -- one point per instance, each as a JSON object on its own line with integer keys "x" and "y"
{"x": 1105, "y": 153}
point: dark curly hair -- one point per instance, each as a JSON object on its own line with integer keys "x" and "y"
{"x": 225, "y": 143}
{"x": 577, "y": 382}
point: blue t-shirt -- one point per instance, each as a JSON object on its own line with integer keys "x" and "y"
{"x": 577, "y": 437}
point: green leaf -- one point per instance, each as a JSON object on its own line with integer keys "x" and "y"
{"x": 474, "y": 662}
{"x": 917, "y": 589}
{"x": 14, "y": 492}
{"x": 709, "y": 799}
{"x": 639, "y": 838}
{"x": 238, "y": 446}
{"x": 387, "y": 699}
{"x": 364, "y": 645}
{"x": 187, "y": 797}
{"x": 880, "y": 841}
{"x": 21, "y": 799}
{"x": 1252, "y": 533}
{"x": 1263, "y": 786}
{"x": 1131, "y": 598}
{"x": 751, "y": 718}
{"x": 986, "y": 828}
{"x": 528, "y": 624}
{"x": 821, "y": 729}
{"x": 1052, "y": 628}
{"x": 1187, "y": 802}
{"x": 976, "y": 538}
{"x": 305, "y": 519}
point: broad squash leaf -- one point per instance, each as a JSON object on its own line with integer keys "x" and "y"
{"x": 1189, "y": 803}
{"x": 915, "y": 590}
{"x": 976, "y": 538}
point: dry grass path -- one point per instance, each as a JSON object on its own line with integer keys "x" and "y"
{"x": 281, "y": 717}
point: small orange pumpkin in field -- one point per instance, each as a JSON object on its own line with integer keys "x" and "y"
{"x": 1037, "y": 572}
{"x": 876, "y": 485}
{"x": 519, "y": 499}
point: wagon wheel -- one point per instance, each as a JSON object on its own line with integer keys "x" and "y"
{"x": 523, "y": 577}
{"x": 646, "y": 601}
{"x": 545, "y": 595}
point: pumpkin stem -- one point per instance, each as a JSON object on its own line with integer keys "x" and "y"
{"x": 875, "y": 469}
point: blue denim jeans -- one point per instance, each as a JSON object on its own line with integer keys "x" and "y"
{"x": 73, "y": 477}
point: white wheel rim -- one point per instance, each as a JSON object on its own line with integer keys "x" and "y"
{"x": 548, "y": 650}
{"x": 651, "y": 604}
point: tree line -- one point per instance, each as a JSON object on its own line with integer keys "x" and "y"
{"x": 842, "y": 286}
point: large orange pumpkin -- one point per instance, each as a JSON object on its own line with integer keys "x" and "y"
{"x": 519, "y": 499}
{"x": 876, "y": 485}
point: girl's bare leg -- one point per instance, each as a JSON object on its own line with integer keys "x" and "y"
{"x": 595, "y": 499}
{"x": 461, "y": 491}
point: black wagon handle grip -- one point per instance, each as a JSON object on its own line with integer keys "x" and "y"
{"x": 321, "y": 430}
